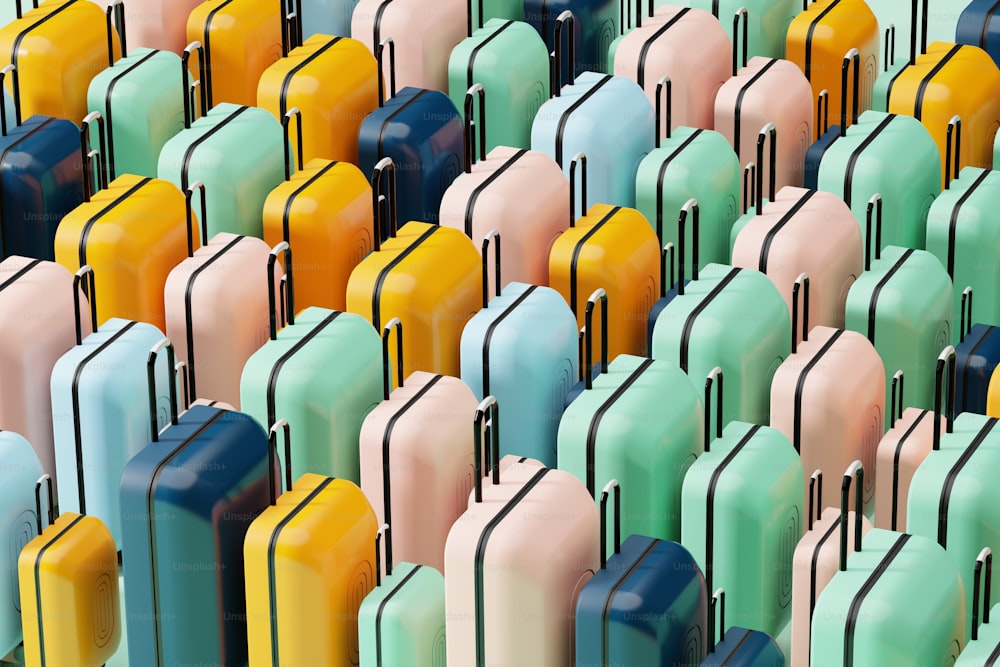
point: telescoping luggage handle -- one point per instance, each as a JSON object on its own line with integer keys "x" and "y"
{"x": 383, "y": 529}
{"x": 744, "y": 14}
{"x": 289, "y": 291}
{"x": 666, "y": 270}
{"x": 625, "y": 14}
{"x": 91, "y": 155}
{"x": 394, "y": 323}
{"x": 189, "y": 215}
{"x": 715, "y": 377}
{"x": 874, "y": 211}
{"x": 291, "y": 26}
{"x": 965, "y": 321}
{"x": 602, "y": 296}
{"x": 379, "y": 59}
{"x": 613, "y": 484}
{"x": 274, "y": 485}
{"x": 151, "y": 384}
{"x": 896, "y": 407}
{"x": 822, "y": 113}
{"x": 946, "y": 358}
{"x": 384, "y": 200}
{"x": 749, "y": 179}
{"x": 801, "y": 285}
{"x": 286, "y": 120}
{"x": 850, "y": 57}
{"x": 815, "y": 493}
{"x": 692, "y": 208}
{"x": 91, "y": 295}
{"x": 856, "y": 473}
{"x": 664, "y": 108}
{"x": 471, "y": 125}
{"x": 768, "y": 131}
{"x": 557, "y": 56}
{"x": 494, "y": 236}
{"x": 52, "y": 515}
{"x": 718, "y": 601}
{"x": 913, "y": 30}
{"x": 114, "y": 19}
{"x": 578, "y": 159}
{"x": 953, "y": 146}
{"x": 16, "y": 85}
{"x": 985, "y": 557}
{"x": 199, "y": 84}
{"x": 489, "y": 406}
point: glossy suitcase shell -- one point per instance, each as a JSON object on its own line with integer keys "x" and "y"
{"x": 978, "y": 354}
{"x": 975, "y": 27}
{"x": 766, "y": 22}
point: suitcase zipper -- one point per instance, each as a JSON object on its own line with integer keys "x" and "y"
{"x": 809, "y": 36}
{"x": 949, "y": 482}
{"x": 606, "y": 613}
{"x": 272, "y": 380}
{"x": 489, "y": 335}
{"x": 381, "y": 608}
{"x": 387, "y": 269}
{"x": 873, "y": 304}
{"x": 287, "y": 81}
{"x": 702, "y": 305}
{"x": 953, "y": 224}
{"x": 469, "y": 74}
{"x": 89, "y": 225}
{"x": 107, "y": 104}
{"x": 286, "y": 217}
{"x": 38, "y": 585}
{"x": 648, "y": 44}
{"x": 578, "y": 248}
{"x": 853, "y": 160}
{"x": 564, "y": 118}
{"x": 895, "y": 466}
{"x": 866, "y": 588}
{"x": 739, "y": 102}
{"x": 207, "y": 39}
{"x": 765, "y": 248}
{"x": 3, "y": 157}
{"x": 926, "y": 81}
{"x": 800, "y": 386}
{"x": 28, "y": 267}
{"x": 474, "y": 197}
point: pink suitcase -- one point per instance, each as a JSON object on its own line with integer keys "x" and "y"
{"x": 37, "y": 326}
{"x": 217, "y": 311}
{"x": 156, "y": 24}
{"x": 828, "y": 397}
{"x": 522, "y": 194}
{"x": 416, "y": 458}
{"x": 515, "y": 562}
{"x": 746, "y": 103}
{"x": 907, "y": 443}
{"x": 424, "y": 33}
{"x": 817, "y": 555}
{"x": 691, "y": 48}
{"x": 805, "y": 231}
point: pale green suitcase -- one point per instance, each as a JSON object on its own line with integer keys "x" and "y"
{"x": 984, "y": 647}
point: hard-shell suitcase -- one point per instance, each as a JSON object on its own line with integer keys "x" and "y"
{"x": 738, "y": 647}
{"x": 100, "y": 411}
{"x": 526, "y": 542}
{"x": 416, "y": 457}
{"x": 334, "y": 82}
{"x": 687, "y": 45}
{"x": 521, "y": 194}
{"x": 426, "y": 275}
{"x": 239, "y": 162}
{"x": 818, "y": 38}
{"x": 309, "y": 564}
{"x": 421, "y": 131}
{"x": 825, "y": 134}
{"x": 425, "y": 35}
{"x": 977, "y": 356}
{"x": 975, "y": 27}
{"x": 742, "y": 515}
{"x": 510, "y": 61}
{"x": 402, "y": 621}
{"x": 651, "y": 456}
{"x": 645, "y": 606}
{"x": 242, "y": 38}
{"x": 902, "y": 303}
{"x": 17, "y": 519}
{"x": 155, "y": 24}
{"x": 816, "y": 555}
{"x": 187, "y": 501}
{"x": 68, "y": 577}
{"x": 40, "y": 167}
{"x": 324, "y": 210}
{"x": 57, "y": 48}
{"x": 984, "y": 647}
{"x": 132, "y": 232}
{"x": 36, "y": 329}
{"x": 764, "y": 23}
{"x": 732, "y": 318}
{"x": 522, "y": 349}
{"x": 594, "y": 26}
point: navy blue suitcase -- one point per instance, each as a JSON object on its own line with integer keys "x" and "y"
{"x": 647, "y": 605}
{"x": 738, "y": 647}
{"x": 815, "y": 152}
{"x": 423, "y": 133}
{"x": 187, "y": 500}
{"x": 667, "y": 278}
{"x": 594, "y": 27}
{"x": 977, "y": 26}
{"x": 976, "y": 356}
{"x": 40, "y": 178}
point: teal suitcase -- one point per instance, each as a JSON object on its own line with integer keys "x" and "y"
{"x": 984, "y": 647}
{"x": 742, "y": 517}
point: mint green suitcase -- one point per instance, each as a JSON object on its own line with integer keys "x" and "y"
{"x": 640, "y": 422}
{"x": 984, "y": 647}
{"x": 742, "y": 517}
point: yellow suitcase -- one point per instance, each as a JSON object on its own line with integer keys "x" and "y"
{"x": 428, "y": 276}
{"x": 334, "y": 81}
{"x": 615, "y": 249}
{"x": 58, "y": 48}
{"x": 68, "y": 576}
{"x": 132, "y": 233}
{"x": 310, "y": 561}
{"x": 952, "y": 80}
{"x": 241, "y": 38}
{"x": 324, "y": 211}
{"x": 993, "y": 396}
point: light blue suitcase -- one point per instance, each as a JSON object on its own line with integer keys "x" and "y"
{"x": 608, "y": 119}
{"x": 100, "y": 411}
{"x": 522, "y": 348}
{"x": 325, "y": 17}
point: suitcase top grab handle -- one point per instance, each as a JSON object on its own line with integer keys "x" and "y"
{"x": 854, "y": 57}
{"x": 151, "y": 385}
{"x": 717, "y": 601}
{"x": 384, "y": 528}
{"x": 965, "y": 322}
{"x": 953, "y": 145}
{"x": 856, "y": 470}
{"x": 985, "y": 556}
{"x": 274, "y": 485}
{"x": 379, "y": 59}
{"x": 52, "y": 516}
{"x": 189, "y": 87}
{"x": 493, "y": 235}
{"x": 896, "y": 407}
{"x": 801, "y": 285}
{"x": 602, "y": 296}
{"x": 394, "y": 323}
{"x": 471, "y": 125}
{"x": 716, "y": 377}
{"x": 489, "y": 405}
{"x": 557, "y": 56}
{"x": 384, "y": 200}
{"x": 947, "y": 357}
{"x": 272, "y": 313}
{"x": 91, "y": 295}
{"x": 815, "y": 492}
{"x": 613, "y": 484}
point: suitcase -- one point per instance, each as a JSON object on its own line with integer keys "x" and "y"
{"x": 594, "y": 26}
{"x": 324, "y": 210}
{"x": 826, "y": 135}
{"x": 239, "y": 163}
{"x": 68, "y": 577}
{"x": 744, "y": 105}
{"x": 687, "y": 45}
{"x": 984, "y": 647}
{"x": 57, "y": 48}
{"x": 521, "y": 194}
{"x": 416, "y": 457}
{"x": 522, "y": 349}
{"x": 975, "y": 27}
{"x": 526, "y": 541}
{"x": 653, "y": 455}
{"x": 749, "y": 352}
{"x": 511, "y": 62}
{"x": 422, "y": 132}
{"x": 977, "y": 356}
{"x": 242, "y": 38}
{"x": 742, "y": 515}
{"x": 763, "y": 27}
{"x": 805, "y": 231}
{"x": 402, "y": 621}
{"x": 939, "y": 16}
{"x": 187, "y": 502}
{"x": 36, "y": 329}
{"x": 445, "y": 265}
{"x": 738, "y": 646}
{"x": 17, "y": 519}
{"x": 645, "y": 606}
{"x": 608, "y": 119}
{"x": 334, "y": 82}
{"x": 309, "y": 564}
{"x": 816, "y": 555}
{"x": 100, "y": 411}
{"x": 902, "y": 303}
{"x": 40, "y": 165}
{"x": 822, "y": 33}
{"x": 866, "y": 162}
{"x": 155, "y": 24}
